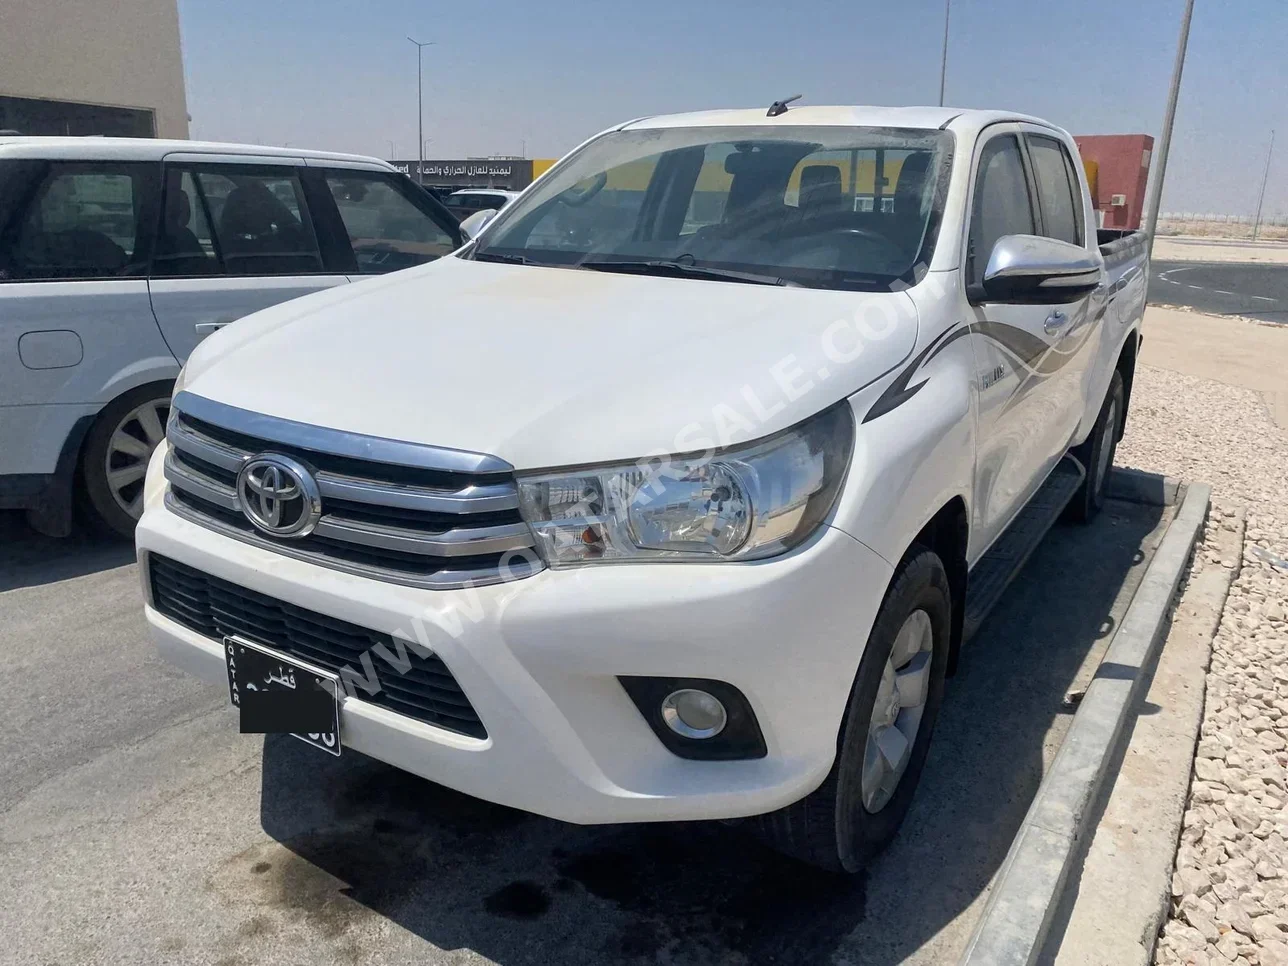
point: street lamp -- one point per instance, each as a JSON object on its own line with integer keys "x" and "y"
{"x": 393, "y": 149}
{"x": 420, "y": 108}
{"x": 1169, "y": 119}
{"x": 1265, "y": 178}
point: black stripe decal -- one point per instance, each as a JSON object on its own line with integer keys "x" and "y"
{"x": 1041, "y": 358}
{"x": 899, "y": 392}
{"x": 1025, "y": 346}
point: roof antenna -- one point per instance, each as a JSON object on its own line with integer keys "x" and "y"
{"x": 780, "y": 107}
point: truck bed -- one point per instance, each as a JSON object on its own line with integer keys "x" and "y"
{"x": 1120, "y": 245}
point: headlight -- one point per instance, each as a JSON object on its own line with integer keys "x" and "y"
{"x": 750, "y": 501}
{"x": 179, "y": 382}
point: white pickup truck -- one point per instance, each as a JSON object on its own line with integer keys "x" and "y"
{"x": 674, "y": 493}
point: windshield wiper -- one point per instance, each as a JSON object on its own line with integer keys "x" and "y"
{"x": 499, "y": 257}
{"x": 674, "y": 269}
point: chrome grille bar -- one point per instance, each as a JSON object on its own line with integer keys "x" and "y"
{"x": 422, "y": 518}
{"x": 463, "y": 542}
{"x": 212, "y": 491}
{"x": 469, "y": 499}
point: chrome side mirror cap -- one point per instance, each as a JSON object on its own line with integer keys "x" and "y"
{"x": 475, "y": 223}
{"x": 1030, "y": 269}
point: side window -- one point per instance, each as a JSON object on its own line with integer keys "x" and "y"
{"x": 261, "y": 223}
{"x": 1001, "y": 205}
{"x": 80, "y": 223}
{"x": 386, "y": 229}
{"x": 1060, "y": 204}
{"x": 185, "y": 244}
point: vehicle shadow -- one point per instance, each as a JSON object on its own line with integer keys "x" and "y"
{"x": 522, "y": 890}
{"x": 1002, "y": 721}
{"x": 29, "y": 559}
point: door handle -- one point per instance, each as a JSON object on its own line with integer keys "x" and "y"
{"x": 208, "y": 328}
{"x": 1055, "y": 322}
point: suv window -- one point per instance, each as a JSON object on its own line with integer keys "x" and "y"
{"x": 185, "y": 245}
{"x": 1061, "y": 203}
{"x": 261, "y": 223}
{"x": 388, "y": 231}
{"x": 82, "y": 222}
{"x": 1001, "y": 205}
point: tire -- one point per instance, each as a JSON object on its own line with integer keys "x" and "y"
{"x": 1096, "y": 454}
{"x": 116, "y": 454}
{"x": 842, "y": 825}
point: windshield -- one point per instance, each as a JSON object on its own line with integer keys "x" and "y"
{"x": 830, "y": 207}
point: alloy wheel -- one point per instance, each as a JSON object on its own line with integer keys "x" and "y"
{"x": 129, "y": 449}
{"x": 898, "y": 710}
{"x": 1105, "y": 457}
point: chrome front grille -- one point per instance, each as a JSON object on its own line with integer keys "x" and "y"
{"x": 400, "y": 512}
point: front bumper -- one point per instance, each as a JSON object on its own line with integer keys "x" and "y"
{"x": 539, "y": 659}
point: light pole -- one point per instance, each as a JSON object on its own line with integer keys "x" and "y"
{"x": 943, "y": 64}
{"x": 1169, "y": 119}
{"x": 1256, "y": 228}
{"x": 420, "y": 107}
{"x": 393, "y": 149}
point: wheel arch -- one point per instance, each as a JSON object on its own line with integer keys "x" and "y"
{"x": 79, "y": 488}
{"x": 947, "y": 533}
{"x": 1126, "y": 366}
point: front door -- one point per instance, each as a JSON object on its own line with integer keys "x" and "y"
{"x": 1028, "y": 405}
{"x": 235, "y": 238}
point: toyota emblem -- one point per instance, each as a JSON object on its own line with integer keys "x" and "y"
{"x": 279, "y": 495}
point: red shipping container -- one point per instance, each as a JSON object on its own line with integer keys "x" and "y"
{"x": 1122, "y": 170}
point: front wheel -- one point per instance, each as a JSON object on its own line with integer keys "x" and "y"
{"x": 885, "y": 732}
{"x": 1096, "y": 454}
{"x": 116, "y": 455}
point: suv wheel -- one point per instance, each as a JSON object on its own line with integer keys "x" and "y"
{"x": 885, "y": 733}
{"x": 117, "y": 451}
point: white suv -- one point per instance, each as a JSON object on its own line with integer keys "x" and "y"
{"x": 118, "y": 255}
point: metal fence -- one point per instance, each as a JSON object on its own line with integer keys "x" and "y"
{"x": 1220, "y": 226}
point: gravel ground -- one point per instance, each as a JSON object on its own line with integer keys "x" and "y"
{"x": 1230, "y": 888}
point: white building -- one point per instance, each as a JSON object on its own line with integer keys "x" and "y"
{"x": 92, "y": 67}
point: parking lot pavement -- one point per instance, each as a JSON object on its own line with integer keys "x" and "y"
{"x": 137, "y": 826}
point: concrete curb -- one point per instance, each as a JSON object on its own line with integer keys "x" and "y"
{"x": 1138, "y": 486}
{"x": 1029, "y": 885}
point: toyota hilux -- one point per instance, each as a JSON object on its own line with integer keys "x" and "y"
{"x": 670, "y": 494}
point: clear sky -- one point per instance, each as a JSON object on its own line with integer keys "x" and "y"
{"x": 513, "y": 74}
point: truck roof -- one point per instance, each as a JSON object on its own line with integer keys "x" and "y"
{"x": 956, "y": 119}
{"x": 153, "y": 149}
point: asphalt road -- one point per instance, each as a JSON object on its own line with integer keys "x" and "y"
{"x": 138, "y": 827}
{"x": 1223, "y": 288}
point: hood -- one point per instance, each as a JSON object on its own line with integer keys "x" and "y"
{"x": 551, "y": 366}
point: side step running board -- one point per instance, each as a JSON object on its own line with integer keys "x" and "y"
{"x": 996, "y": 569}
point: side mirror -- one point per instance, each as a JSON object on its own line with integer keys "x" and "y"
{"x": 475, "y": 223}
{"x": 1029, "y": 269}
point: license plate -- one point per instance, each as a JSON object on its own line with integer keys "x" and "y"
{"x": 278, "y": 694}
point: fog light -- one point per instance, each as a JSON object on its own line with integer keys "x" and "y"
{"x": 694, "y": 714}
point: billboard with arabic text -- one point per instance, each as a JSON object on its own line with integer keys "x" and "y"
{"x": 512, "y": 173}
